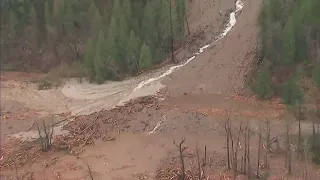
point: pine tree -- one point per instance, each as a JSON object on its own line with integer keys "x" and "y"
{"x": 122, "y": 43}
{"x": 288, "y": 47}
{"x": 34, "y": 24}
{"x": 97, "y": 23}
{"x": 123, "y": 26}
{"x": 48, "y": 12}
{"x": 263, "y": 84}
{"x": 92, "y": 10}
{"x": 164, "y": 28}
{"x": 12, "y": 24}
{"x": 148, "y": 26}
{"x": 292, "y": 94}
{"x": 175, "y": 20}
{"x": 116, "y": 12}
{"x": 316, "y": 75}
{"x": 172, "y": 15}
{"x": 133, "y": 53}
{"x": 110, "y": 45}
{"x": 180, "y": 15}
{"x": 98, "y": 70}
{"x": 137, "y": 17}
{"x": 127, "y": 11}
{"x": 145, "y": 57}
{"x": 89, "y": 57}
{"x": 99, "y": 63}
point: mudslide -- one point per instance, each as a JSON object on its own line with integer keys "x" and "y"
{"x": 222, "y": 69}
{"x": 218, "y": 67}
{"x": 200, "y": 69}
{"x": 113, "y": 94}
{"x": 133, "y": 141}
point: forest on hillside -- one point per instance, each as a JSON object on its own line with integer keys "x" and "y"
{"x": 290, "y": 61}
{"x": 110, "y": 39}
{"x": 289, "y": 47}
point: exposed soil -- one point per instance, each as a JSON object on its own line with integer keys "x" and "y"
{"x": 119, "y": 131}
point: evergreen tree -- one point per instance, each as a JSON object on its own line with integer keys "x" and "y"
{"x": 145, "y": 57}
{"x": 89, "y": 57}
{"x": 48, "y": 12}
{"x": 316, "y": 75}
{"x": 123, "y": 26}
{"x": 35, "y": 29}
{"x": 133, "y": 53}
{"x": 99, "y": 63}
{"x": 175, "y": 20}
{"x": 164, "y": 28}
{"x": 263, "y": 84}
{"x": 98, "y": 69}
{"x": 92, "y": 10}
{"x": 97, "y": 23}
{"x": 12, "y": 24}
{"x": 180, "y": 17}
{"x": 171, "y": 30}
{"x": 116, "y": 12}
{"x": 288, "y": 48}
{"x": 149, "y": 28}
{"x": 137, "y": 18}
{"x": 127, "y": 11}
{"x": 122, "y": 43}
{"x": 292, "y": 93}
{"x": 110, "y": 45}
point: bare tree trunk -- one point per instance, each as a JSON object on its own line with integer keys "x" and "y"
{"x": 187, "y": 25}
{"x": 226, "y": 126}
{"x": 234, "y": 152}
{"x": 314, "y": 122}
{"x": 288, "y": 149}
{"x": 268, "y": 144}
{"x": 198, "y": 161}
{"x": 232, "y": 149}
{"x": 290, "y": 161}
{"x": 205, "y": 156}
{"x": 268, "y": 135}
{"x": 299, "y": 137}
{"x": 287, "y": 144}
{"x": 245, "y": 150}
{"x": 181, "y": 149}
{"x": 248, "y": 149}
{"x": 259, "y": 151}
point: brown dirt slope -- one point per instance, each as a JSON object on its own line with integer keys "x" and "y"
{"x": 222, "y": 68}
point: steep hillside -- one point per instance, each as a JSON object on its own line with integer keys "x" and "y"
{"x": 222, "y": 69}
{"x": 104, "y": 40}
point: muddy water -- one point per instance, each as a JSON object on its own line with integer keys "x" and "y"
{"x": 105, "y": 96}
